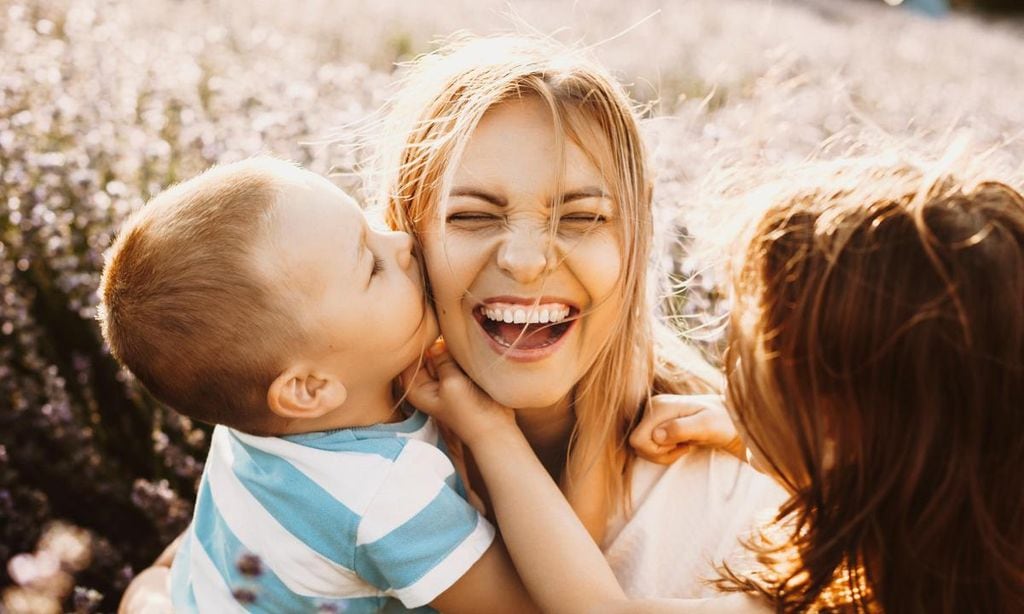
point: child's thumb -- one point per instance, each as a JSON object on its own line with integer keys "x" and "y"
{"x": 686, "y": 429}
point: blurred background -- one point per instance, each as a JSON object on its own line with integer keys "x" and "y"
{"x": 103, "y": 103}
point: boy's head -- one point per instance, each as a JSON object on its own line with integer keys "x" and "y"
{"x": 255, "y": 295}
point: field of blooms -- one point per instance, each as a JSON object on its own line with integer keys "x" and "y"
{"x": 104, "y": 103}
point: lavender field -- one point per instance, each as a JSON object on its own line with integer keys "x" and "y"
{"x": 104, "y": 103}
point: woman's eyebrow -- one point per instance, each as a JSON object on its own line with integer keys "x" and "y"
{"x": 587, "y": 192}
{"x": 498, "y": 201}
{"x": 494, "y": 199}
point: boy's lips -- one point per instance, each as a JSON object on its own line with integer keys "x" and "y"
{"x": 525, "y": 329}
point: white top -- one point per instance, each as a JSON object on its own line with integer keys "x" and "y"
{"x": 687, "y": 518}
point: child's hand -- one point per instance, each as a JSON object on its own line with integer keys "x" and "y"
{"x": 440, "y": 389}
{"x": 672, "y": 423}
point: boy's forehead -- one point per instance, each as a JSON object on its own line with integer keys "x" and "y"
{"x": 318, "y": 208}
{"x": 312, "y": 235}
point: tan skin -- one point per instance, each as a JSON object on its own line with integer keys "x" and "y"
{"x": 489, "y": 240}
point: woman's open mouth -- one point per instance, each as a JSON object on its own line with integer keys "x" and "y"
{"x": 525, "y": 331}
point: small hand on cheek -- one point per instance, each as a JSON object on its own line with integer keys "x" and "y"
{"x": 439, "y": 388}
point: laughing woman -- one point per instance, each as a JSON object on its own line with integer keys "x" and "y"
{"x": 518, "y": 166}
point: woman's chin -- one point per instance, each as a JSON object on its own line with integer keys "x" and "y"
{"x": 524, "y": 394}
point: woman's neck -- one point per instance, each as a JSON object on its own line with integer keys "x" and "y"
{"x": 548, "y": 430}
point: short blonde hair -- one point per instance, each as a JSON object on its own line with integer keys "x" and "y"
{"x": 183, "y": 307}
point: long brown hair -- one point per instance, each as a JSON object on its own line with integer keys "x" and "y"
{"x": 876, "y": 364}
{"x": 442, "y": 100}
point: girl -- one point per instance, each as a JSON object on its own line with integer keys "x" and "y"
{"x": 877, "y": 370}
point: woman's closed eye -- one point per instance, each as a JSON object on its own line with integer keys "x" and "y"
{"x": 588, "y": 218}
{"x": 470, "y": 217}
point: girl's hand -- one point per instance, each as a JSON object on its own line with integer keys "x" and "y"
{"x": 673, "y": 423}
{"x": 440, "y": 389}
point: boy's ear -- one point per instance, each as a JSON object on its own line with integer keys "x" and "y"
{"x": 300, "y": 393}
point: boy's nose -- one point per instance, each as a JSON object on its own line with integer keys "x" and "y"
{"x": 403, "y": 245}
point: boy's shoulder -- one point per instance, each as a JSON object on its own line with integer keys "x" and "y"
{"x": 350, "y": 466}
{"x": 339, "y": 511}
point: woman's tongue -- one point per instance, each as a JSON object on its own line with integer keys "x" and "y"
{"x": 523, "y": 336}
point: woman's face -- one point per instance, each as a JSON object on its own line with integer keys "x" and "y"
{"x": 524, "y": 312}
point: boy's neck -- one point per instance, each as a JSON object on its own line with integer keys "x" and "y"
{"x": 362, "y": 407}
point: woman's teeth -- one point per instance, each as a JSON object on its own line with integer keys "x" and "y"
{"x": 520, "y": 314}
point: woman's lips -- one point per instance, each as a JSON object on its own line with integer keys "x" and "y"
{"x": 525, "y": 330}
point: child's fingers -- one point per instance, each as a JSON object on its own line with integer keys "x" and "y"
{"x": 443, "y": 363}
{"x": 696, "y": 428}
{"x": 424, "y": 397}
{"x": 414, "y": 374}
{"x": 711, "y": 426}
{"x": 644, "y": 445}
{"x": 641, "y": 437}
{"x": 654, "y": 440}
{"x": 661, "y": 408}
{"x": 421, "y": 389}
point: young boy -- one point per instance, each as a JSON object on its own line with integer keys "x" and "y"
{"x": 257, "y": 298}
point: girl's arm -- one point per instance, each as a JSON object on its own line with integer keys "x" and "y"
{"x": 557, "y": 560}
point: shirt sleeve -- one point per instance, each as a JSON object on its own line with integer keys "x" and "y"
{"x": 418, "y": 536}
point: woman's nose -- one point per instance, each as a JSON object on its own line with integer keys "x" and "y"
{"x": 525, "y": 255}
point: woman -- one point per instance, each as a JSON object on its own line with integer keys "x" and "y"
{"x": 518, "y": 166}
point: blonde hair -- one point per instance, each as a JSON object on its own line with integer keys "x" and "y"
{"x": 876, "y": 360}
{"x": 440, "y": 105}
{"x": 182, "y": 305}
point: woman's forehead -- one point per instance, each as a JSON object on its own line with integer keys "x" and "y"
{"x": 519, "y": 142}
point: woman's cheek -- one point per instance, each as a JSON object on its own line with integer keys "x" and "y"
{"x": 449, "y": 268}
{"x": 452, "y": 267}
{"x": 596, "y": 261}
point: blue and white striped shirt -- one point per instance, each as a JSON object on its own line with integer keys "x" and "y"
{"x": 356, "y": 520}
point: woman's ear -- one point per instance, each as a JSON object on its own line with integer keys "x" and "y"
{"x": 301, "y": 393}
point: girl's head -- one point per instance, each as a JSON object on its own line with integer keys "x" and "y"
{"x": 876, "y": 366}
{"x": 518, "y": 166}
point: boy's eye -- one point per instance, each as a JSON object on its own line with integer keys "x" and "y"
{"x": 378, "y": 266}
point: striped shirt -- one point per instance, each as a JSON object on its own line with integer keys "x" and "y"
{"x": 356, "y": 520}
